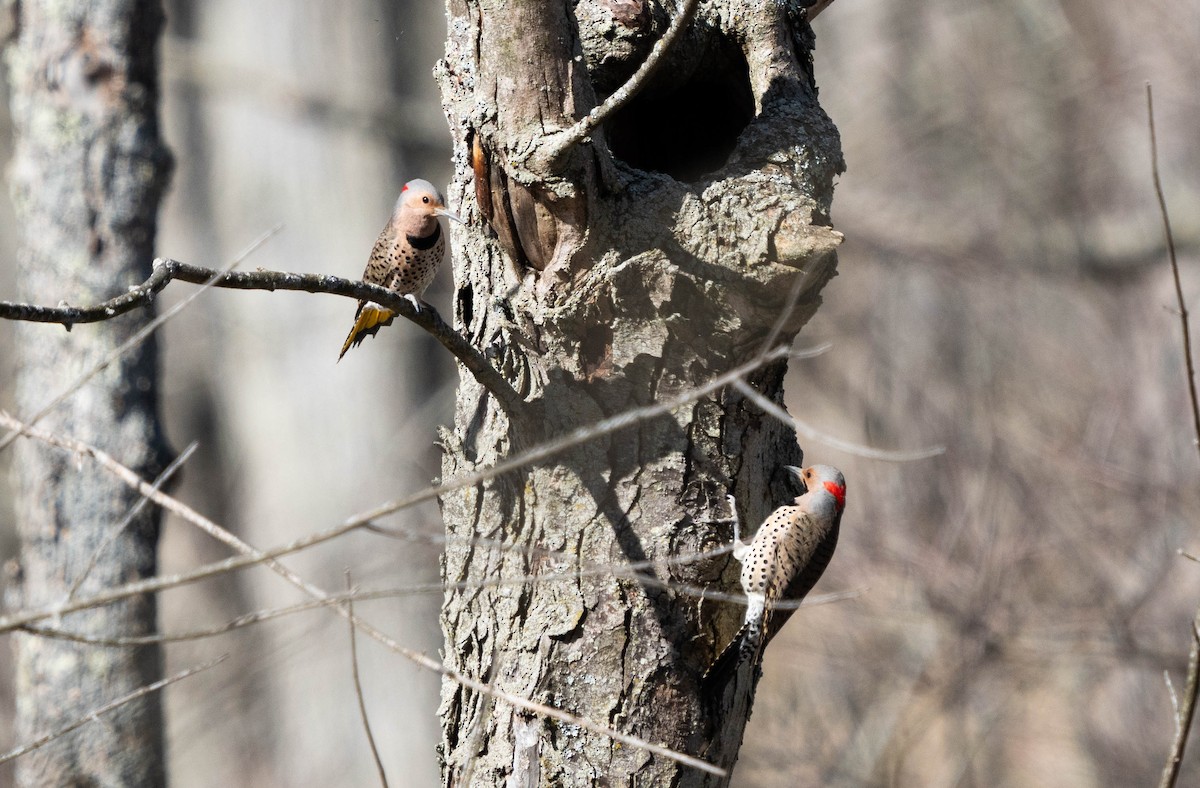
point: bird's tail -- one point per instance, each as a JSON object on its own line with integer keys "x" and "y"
{"x": 367, "y": 321}
{"x": 723, "y": 668}
{"x": 746, "y": 647}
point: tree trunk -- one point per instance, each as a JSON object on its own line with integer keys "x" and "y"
{"x": 651, "y": 258}
{"x": 87, "y": 175}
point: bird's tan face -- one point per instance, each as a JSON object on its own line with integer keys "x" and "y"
{"x": 419, "y": 207}
{"x": 827, "y": 478}
{"x": 421, "y": 202}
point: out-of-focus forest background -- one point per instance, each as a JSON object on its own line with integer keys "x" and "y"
{"x": 1003, "y": 290}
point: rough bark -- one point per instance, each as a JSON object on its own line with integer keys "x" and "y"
{"x": 655, "y": 256}
{"x": 87, "y": 176}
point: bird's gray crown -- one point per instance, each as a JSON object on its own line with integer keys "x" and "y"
{"x": 421, "y": 185}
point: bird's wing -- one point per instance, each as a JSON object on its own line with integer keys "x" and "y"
{"x": 818, "y": 541}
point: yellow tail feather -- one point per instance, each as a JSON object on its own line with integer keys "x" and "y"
{"x": 369, "y": 319}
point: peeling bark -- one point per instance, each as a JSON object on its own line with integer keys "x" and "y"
{"x": 653, "y": 257}
{"x": 87, "y": 175}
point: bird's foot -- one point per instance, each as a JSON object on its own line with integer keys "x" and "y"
{"x": 739, "y": 547}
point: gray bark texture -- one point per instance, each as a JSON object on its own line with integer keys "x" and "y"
{"x": 655, "y": 256}
{"x": 87, "y": 176}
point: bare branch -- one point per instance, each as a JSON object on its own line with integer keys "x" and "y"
{"x": 1183, "y": 310}
{"x": 1187, "y": 712}
{"x": 166, "y": 269}
{"x": 533, "y": 706}
{"x": 152, "y": 584}
{"x": 1174, "y": 700}
{"x": 45, "y": 739}
{"x": 112, "y": 535}
{"x": 536, "y": 454}
{"x": 358, "y": 693}
{"x": 564, "y": 141}
{"x": 260, "y": 616}
{"x": 812, "y": 434}
{"x": 134, "y": 641}
{"x": 133, "y": 341}
{"x": 576, "y": 437}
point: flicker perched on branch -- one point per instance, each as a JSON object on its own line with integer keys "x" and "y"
{"x": 782, "y": 563}
{"x": 405, "y": 258}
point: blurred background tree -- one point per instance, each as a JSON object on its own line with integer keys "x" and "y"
{"x": 1003, "y": 290}
{"x": 88, "y": 174}
{"x": 310, "y": 114}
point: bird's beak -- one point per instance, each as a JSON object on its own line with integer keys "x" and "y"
{"x": 798, "y": 473}
{"x": 449, "y": 214}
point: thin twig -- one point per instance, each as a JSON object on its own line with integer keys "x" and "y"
{"x": 1174, "y": 700}
{"x": 45, "y": 739}
{"x": 564, "y": 141}
{"x": 117, "y": 306}
{"x": 358, "y": 692}
{"x": 136, "y": 641}
{"x": 260, "y": 616}
{"x": 785, "y": 314}
{"x": 635, "y": 570}
{"x": 112, "y": 535}
{"x": 1183, "y": 310}
{"x": 579, "y": 436}
{"x": 1185, "y": 713}
{"x": 173, "y": 505}
{"x": 166, "y": 269}
{"x": 533, "y": 706}
{"x": 812, "y": 434}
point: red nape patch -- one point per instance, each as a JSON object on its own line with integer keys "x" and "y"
{"x": 838, "y": 491}
{"x": 404, "y": 188}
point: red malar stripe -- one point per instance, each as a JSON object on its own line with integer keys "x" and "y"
{"x": 838, "y": 492}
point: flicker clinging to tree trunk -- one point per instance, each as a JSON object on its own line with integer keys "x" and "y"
{"x": 782, "y": 562}
{"x": 405, "y": 258}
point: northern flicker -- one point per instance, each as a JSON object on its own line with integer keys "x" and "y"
{"x": 405, "y": 258}
{"x": 782, "y": 562}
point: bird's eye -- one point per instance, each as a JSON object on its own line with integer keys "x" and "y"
{"x": 425, "y": 199}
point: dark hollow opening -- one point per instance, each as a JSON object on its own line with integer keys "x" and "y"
{"x": 595, "y": 351}
{"x": 687, "y": 130}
